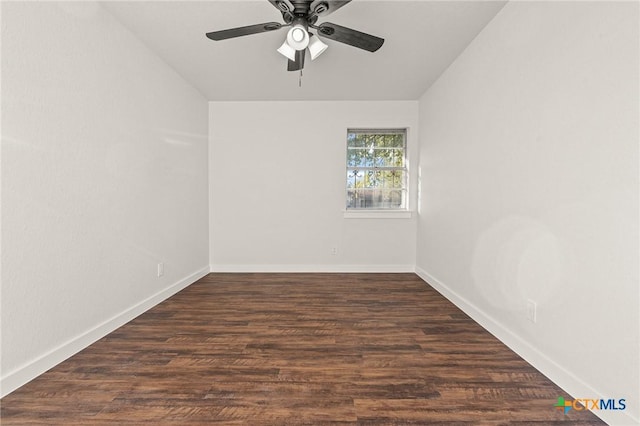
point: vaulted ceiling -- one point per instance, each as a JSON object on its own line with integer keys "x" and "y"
{"x": 421, "y": 39}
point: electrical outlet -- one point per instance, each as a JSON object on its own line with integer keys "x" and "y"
{"x": 334, "y": 251}
{"x": 160, "y": 269}
{"x": 532, "y": 314}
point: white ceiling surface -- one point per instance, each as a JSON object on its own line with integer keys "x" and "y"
{"x": 421, "y": 39}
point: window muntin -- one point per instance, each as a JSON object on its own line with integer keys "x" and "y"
{"x": 376, "y": 169}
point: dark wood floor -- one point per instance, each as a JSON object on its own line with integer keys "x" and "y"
{"x": 285, "y": 349}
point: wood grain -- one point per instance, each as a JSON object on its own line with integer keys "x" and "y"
{"x": 289, "y": 349}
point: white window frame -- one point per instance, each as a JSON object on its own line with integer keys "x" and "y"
{"x": 386, "y": 213}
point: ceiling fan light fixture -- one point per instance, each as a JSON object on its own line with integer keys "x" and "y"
{"x": 316, "y": 46}
{"x": 287, "y": 51}
{"x": 300, "y": 16}
{"x": 298, "y": 37}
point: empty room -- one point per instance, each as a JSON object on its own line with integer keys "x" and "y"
{"x": 320, "y": 212}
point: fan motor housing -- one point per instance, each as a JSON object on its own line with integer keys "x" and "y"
{"x": 301, "y": 8}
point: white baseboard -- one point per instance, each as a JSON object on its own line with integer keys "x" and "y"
{"x": 20, "y": 376}
{"x": 547, "y": 366}
{"x": 314, "y": 268}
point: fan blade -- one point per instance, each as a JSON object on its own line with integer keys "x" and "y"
{"x": 243, "y": 31}
{"x": 328, "y": 6}
{"x": 298, "y": 64}
{"x": 351, "y": 37}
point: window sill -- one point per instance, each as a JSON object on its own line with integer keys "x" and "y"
{"x": 377, "y": 214}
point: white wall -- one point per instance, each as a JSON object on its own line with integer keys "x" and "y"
{"x": 529, "y": 161}
{"x": 104, "y": 175}
{"x": 277, "y": 188}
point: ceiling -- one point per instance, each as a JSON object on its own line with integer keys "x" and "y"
{"x": 422, "y": 38}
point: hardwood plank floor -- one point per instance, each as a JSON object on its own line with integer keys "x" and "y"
{"x": 277, "y": 349}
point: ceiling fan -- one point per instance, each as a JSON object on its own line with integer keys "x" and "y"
{"x": 301, "y": 16}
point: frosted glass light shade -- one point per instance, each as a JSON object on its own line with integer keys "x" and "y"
{"x": 316, "y": 47}
{"x": 287, "y": 51}
{"x": 298, "y": 37}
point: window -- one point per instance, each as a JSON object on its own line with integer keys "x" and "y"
{"x": 376, "y": 169}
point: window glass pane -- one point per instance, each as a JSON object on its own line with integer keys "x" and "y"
{"x": 389, "y": 157}
{"x": 361, "y": 157}
{"x": 355, "y": 179}
{"x": 355, "y": 140}
{"x": 354, "y": 157}
{"x": 394, "y": 141}
{"x": 395, "y": 178}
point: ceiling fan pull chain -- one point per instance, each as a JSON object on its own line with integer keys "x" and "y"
{"x": 300, "y": 79}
